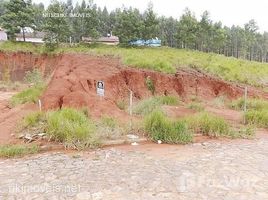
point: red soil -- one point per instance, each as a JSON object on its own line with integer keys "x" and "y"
{"x": 74, "y": 84}
{"x": 19, "y": 63}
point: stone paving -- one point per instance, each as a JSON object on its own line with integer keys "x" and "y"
{"x": 213, "y": 171}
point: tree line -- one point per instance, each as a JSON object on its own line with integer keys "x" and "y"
{"x": 64, "y": 20}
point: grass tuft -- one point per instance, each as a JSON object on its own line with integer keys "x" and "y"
{"x": 70, "y": 126}
{"x": 257, "y": 117}
{"x": 159, "y": 127}
{"x": 252, "y": 104}
{"x": 196, "y": 106}
{"x": 10, "y": 151}
{"x": 208, "y": 124}
{"x": 29, "y": 95}
{"x": 146, "y": 106}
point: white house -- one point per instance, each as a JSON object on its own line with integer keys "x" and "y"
{"x": 3, "y": 35}
{"x": 34, "y": 37}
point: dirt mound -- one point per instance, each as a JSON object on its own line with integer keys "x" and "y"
{"x": 74, "y": 84}
{"x": 19, "y": 63}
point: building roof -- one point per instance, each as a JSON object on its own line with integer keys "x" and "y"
{"x": 36, "y": 34}
{"x": 102, "y": 39}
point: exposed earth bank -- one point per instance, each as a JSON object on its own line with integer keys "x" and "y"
{"x": 75, "y": 77}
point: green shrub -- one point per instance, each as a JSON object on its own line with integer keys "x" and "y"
{"x": 196, "y": 106}
{"x": 9, "y": 151}
{"x": 159, "y": 127}
{"x": 34, "y": 77}
{"x": 246, "y": 132}
{"x": 209, "y": 125}
{"x": 252, "y": 104}
{"x": 33, "y": 119}
{"x": 146, "y": 106}
{"x": 150, "y": 84}
{"x": 257, "y": 117}
{"x": 109, "y": 128}
{"x": 70, "y": 126}
{"x": 219, "y": 101}
{"x": 121, "y": 105}
{"x": 29, "y": 95}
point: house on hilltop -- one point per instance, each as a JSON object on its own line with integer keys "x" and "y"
{"x": 109, "y": 40}
{"x": 3, "y": 35}
{"x": 34, "y": 37}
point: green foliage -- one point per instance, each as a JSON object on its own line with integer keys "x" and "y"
{"x": 196, "y": 106}
{"x": 246, "y": 132}
{"x": 209, "y": 125}
{"x": 252, "y": 104}
{"x": 108, "y": 121}
{"x": 109, "y": 128}
{"x": 19, "y": 14}
{"x": 257, "y": 117}
{"x": 72, "y": 127}
{"x": 29, "y": 95}
{"x": 33, "y": 119}
{"x": 220, "y": 101}
{"x": 6, "y": 75}
{"x": 146, "y": 106}
{"x": 150, "y": 84}
{"x": 10, "y": 151}
{"x": 159, "y": 127}
{"x": 33, "y": 77}
{"x": 56, "y": 28}
{"x": 121, "y": 104}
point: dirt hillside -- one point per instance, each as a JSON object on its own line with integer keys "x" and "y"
{"x": 75, "y": 77}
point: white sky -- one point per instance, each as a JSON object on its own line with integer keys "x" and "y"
{"x": 230, "y": 12}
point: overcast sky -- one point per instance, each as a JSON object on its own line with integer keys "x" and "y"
{"x": 230, "y": 12}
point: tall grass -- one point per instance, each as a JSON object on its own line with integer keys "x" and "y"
{"x": 29, "y": 95}
{"x": 252, "y": 104}
{"x": 9, "y": 151}
{"x": 159, "y": 127}
{"x": 146, "y": 106}
{"x": 70, "y": 126}
{"x": 257, "y": 117}
{"x": 208, "y": 124}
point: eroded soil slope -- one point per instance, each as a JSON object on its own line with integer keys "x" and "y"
{"x": 17, "y": 64}
{"x": 75, "y": 77}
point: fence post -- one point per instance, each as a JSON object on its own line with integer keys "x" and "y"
{"x": 245, "y": 103}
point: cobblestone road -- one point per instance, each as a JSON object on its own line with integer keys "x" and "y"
{"x": 236, "y": 170}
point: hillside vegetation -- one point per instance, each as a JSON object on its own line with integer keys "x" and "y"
{"x": 167, "y": 60}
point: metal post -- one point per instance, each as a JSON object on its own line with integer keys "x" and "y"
{"x": 40, "y": 105}
{"x": 130, "y": 107}
{"x": 130, "y": 102}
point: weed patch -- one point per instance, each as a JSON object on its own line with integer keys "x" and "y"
{"x": 257, "y": 117}
{"x": 196, "y": 106}
{"x": 159, "y": 127}
{"x": 252, "y": 104}
{"x": 29, "y": 95}
{"x": 146, "y": 106}
{"x": 10, "y": 151}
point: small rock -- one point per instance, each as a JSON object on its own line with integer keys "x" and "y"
{"x": 134, "y": 144}
{"x": 21, "y": 136}
{"x": 28, "y": 137}
{"x": 41, "y": 134}
{"x": 159, "y": 141}
{"x": 133, "y": 137}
